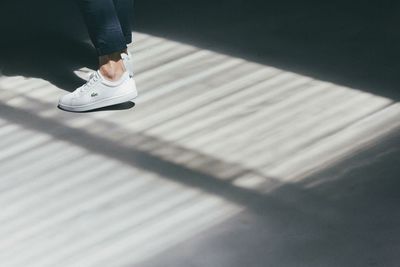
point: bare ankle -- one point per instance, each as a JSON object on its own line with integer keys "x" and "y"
{"x": 111, "y": 66}
{"x": 112, "y": 71}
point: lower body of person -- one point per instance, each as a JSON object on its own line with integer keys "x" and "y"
{"x": 109, "y": 26}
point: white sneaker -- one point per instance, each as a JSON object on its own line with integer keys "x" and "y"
{"x": 99, "y": 92}
{"x": 128, "y": 62}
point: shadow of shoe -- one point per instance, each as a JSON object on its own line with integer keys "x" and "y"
{"x": 122, "y": 106}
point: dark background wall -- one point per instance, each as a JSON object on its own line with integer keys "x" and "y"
{"x": 355, "y": 44}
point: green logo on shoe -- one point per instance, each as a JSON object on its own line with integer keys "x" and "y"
{"x": 94, "y": 94}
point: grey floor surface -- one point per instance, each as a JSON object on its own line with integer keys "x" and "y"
{"x": 221, "y": 162}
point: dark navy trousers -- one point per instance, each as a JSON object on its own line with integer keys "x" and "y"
{"x": 108, "y": 23}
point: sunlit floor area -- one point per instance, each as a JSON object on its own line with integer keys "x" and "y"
{"x": 221, "y": 162}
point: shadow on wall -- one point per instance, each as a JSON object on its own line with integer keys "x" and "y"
{"x": 354, "y": 44}
{"x": 350, "y": 43}
{"x": 45, "y": 39}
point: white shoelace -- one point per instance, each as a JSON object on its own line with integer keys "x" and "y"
{"x": 93, "y": 79}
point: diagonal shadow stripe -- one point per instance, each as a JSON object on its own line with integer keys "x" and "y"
{"x": 250, "y": 199}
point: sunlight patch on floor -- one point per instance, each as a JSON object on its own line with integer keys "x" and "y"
{"x": 246, "y": 125}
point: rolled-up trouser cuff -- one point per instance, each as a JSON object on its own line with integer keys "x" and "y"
{"x": 110, "y": 41}
{"x": 106, "y": 50}
{"x": 114, "y": 44}
{"x": 108, "y": 23}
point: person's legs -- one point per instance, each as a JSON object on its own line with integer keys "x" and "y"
{"x": 107, "y": 34}
{"x": 104, "y": 26}
{"x": 113, "y": 83}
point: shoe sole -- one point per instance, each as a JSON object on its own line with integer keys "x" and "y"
{"x": 101, "y": 103}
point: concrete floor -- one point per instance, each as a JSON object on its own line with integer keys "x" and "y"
{"x": 224, "y": 160}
